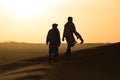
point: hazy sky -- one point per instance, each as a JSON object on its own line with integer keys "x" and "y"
{"x": 30, "y": 20}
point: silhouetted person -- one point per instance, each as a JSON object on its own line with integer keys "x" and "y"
{"x": 53, "y": 39}
{"x": 69, "y": 29}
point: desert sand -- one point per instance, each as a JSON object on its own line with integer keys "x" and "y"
{"x": 98, "y": 63}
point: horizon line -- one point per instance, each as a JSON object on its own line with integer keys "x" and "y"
{"x": 45, "y": 43}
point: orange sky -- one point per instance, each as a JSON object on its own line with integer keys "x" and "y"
{"x": 30, "y": 20}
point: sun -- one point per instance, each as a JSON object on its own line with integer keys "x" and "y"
{"x": 27, "y": 8}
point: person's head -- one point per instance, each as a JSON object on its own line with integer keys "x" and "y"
{"x": 54, "y": 25}
{"x": 70, "y": 19}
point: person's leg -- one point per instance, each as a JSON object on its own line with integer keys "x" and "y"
{"x": 68, "y": 52}
{"x": 50, "y": 54}
{"x": 69, "y": 44}
{"x": 55, "y": 56}
{"x": 50, "y": 58}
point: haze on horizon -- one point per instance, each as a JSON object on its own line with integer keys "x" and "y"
{"x": 30, "y": 20}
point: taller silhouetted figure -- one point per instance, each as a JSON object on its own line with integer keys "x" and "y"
{"x": 53, "y": 39}
{"x": 69, "y": 30}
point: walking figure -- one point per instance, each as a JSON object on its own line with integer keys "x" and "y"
{"x": 69, "y": 30}
{"x": 53, "y": 40}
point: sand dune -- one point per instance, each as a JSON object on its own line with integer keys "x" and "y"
{"x": 14, "y": 51}
{"x": 23, "y": 70}
{"x": 99, "y": 63}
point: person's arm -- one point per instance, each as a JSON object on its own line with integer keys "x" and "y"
{"x": 81, "y": 39}
{"x": 75, "y": 31}
{"x": 59, "y": 38}
{"x": 63, "y": 34}
{"x": 77, "y": 34}
{"x": 74, "y": 28}
{"x": 47, "y": 38}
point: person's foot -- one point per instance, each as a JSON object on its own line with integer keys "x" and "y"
{"x": 67, "y": 54}
{"x": 54, "y": 61}
{"x": 50, "y": 61}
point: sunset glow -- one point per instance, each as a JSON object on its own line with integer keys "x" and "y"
{"x": 30, "y": 20}
{"x": 26, "y": 8}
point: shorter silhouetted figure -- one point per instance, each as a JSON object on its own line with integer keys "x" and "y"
{"x": 69, "y": 30}
{"x": 53, "y": 39}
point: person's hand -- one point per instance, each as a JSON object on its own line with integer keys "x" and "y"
{"x": 58, "y": 45}
{"x": 77, "y": 37}
{"x": 46, "y": 42}
{"x": 82, "y": 41}
{"x": 62, "y": 39}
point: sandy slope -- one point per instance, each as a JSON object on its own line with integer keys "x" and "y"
{"x": 100, "y": 63}
{"x": 11, "y": 52}
{"x": 25, "y": 71}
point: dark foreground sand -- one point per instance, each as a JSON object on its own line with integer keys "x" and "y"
{"x": 100, "y": 63}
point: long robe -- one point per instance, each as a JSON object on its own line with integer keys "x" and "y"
{"x": 69, "y": 29}
{"x": 53, "y": 37}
